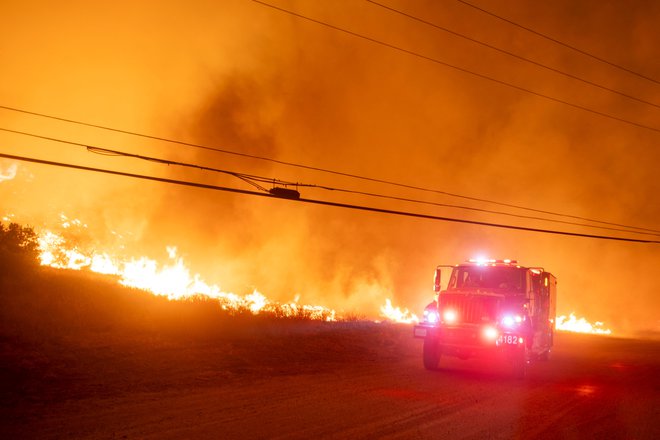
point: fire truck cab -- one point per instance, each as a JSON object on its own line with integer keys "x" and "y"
{"x": 490, "y": 308}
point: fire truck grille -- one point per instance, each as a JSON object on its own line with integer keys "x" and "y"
{"x": 470, "y": 309}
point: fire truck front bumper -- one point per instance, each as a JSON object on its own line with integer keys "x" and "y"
{"x": 471, "y": 341}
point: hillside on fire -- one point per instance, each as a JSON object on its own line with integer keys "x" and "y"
{"x": 45, "y": 302}
{"x": 331, "y": 154}
{"x": 83, "y": 356}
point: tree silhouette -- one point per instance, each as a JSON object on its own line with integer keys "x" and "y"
{"x": 18, "y": 244}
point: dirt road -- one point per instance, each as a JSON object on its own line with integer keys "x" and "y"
{"x": 324, "y": 381}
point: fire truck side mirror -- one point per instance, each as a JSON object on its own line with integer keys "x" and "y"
{"x": 436, "y": 281}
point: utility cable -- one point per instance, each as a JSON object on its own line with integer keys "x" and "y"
{"x": 460, "y": 69}
{"x": 322, "y": 202}
{"x": 434, "y": 60}
{"x": 561, "y": 43}
{"x": 514, "y": 55}
{"x": 114, "y": 153}
{"x": 324, "y": 170}
{"x": 253, "y": 179}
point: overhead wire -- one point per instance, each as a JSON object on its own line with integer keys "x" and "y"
{"x": 324, "y": 202}
{"x": 561, "y": 43}
{"x": 458, "y": 68}
{"x": 253, "y": 179}
{"x": 312, "y": 168}
{"x": 514, "y": 55}
{"x": 115, "y": 153}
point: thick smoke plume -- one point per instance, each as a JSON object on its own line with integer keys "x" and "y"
{"x": 243, "y": 77}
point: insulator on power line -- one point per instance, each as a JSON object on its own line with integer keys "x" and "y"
{"x": 285, "y": 193}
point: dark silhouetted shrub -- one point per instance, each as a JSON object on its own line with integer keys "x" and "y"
{"x": 18, "y": 245}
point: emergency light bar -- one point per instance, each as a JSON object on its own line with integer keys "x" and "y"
{"x": 491, "y": 261}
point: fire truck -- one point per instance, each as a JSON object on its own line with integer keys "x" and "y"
{"x": 490, "y": 308}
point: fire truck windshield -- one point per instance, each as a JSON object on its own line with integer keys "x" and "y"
{"x": 507, "y": 279}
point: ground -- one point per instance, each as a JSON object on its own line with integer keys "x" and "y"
{"x": 322, "y": 380}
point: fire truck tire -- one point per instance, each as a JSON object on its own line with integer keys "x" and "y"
{"x": 545, "y": 355}
{"x": 431, "y": 354}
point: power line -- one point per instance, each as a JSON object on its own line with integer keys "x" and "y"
{"x": 253, "y": 179}
{"x": 514, "y": 55}
{"x": 460, "y": 69}
{"x": 554, "y": 40}
{"x": 249, "y": 178}
{"x": 324, "y": 170}
{"x": 322, "y": 202}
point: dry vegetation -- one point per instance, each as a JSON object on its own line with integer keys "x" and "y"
{"x": 73, "y": 334}
{"x": 56, "y": 303}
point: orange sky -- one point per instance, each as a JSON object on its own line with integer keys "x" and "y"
{"x": 241, "y": 76}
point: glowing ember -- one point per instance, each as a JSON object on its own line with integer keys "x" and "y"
{"x": 66, "y": 223}
{"x": 397, "y": 315}
{"x": 172, "y": 280}
{"x": 573, "y": 324}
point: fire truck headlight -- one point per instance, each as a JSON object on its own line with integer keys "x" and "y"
{"x": 431, "y": 316}
{"x": 490, "y": 333}
{"x": 449, "y": 316}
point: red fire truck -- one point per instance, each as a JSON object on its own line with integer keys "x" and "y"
{"x": 490, "y": 308}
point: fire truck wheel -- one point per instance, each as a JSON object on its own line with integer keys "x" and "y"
{"x": 431, "y": 353}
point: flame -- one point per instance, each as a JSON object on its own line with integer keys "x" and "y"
{"x": 395, "y": 314}
{"x": 573, "y": 324}
{"x": 173, "y": 280}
